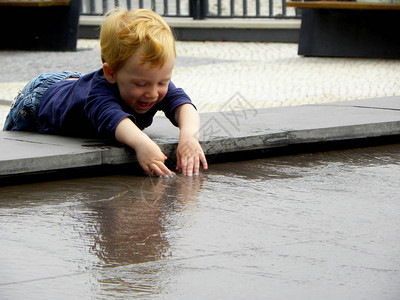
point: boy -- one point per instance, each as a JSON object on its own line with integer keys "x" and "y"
{"x": 119, "y": 100}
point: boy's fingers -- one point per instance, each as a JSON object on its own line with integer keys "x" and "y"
{"x": 204, "y": 161}
{"x": 178, "y": 162}
{"x": 156, "y": 168}
{"x": 196, "y": 166}
{"x": 146, "y": 169}
{"x": 183, "y": 165}
{"x": 189, "y": 167}
{"x": 192, "y": 165}
{"x": 160, "y": 169}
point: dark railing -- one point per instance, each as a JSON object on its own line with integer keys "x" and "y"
{"x": 198, "y": 9}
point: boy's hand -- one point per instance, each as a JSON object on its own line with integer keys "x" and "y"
{"x": 189, "y": 152}
{"x": 189, "y": 155}
{"x": 151, "y": 159}
{"x": 149, "y": 155}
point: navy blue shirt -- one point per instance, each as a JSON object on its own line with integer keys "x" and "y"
{"x": 91, "y": 106}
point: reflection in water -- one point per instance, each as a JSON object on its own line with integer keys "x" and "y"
{"x": 131, "y": 224}
{"x": 319, "y": 225}
{"x": 119, "y": 219}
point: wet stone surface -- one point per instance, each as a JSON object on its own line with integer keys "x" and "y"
{"x": 308, "y": 226}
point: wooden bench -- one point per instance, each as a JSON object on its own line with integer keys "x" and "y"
{"x": 35, "y": 3}
{"x": 50, "y": 25}
{"x": 343, "y": 5}
{"x": 348, "y": 29}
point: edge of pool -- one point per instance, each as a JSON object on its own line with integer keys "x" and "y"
{"x": 223, "y": 132}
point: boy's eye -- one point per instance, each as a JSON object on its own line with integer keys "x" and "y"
{"x": 140, "y": 83}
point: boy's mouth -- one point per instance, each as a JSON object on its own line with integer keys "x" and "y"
{"x": 144, "y": 105}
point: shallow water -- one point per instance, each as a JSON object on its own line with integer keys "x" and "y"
{"x": 308, "y": 226}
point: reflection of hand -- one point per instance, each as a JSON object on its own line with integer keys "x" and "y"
{"x": 189, "y": 155}
{"x": 153, "y": 190}
{"x": 184, "y": 190}
{"x": 188, "y": 189}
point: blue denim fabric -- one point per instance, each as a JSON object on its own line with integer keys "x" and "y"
{"x": 25, "y": 107}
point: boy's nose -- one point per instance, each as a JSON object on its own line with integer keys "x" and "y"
{"x": 152, "y": 92}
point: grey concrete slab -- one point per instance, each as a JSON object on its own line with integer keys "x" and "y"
{"x": 381, "y": 102}
{"x": 221, "y": 132}
{"x": 24, "y": 152}
{"x": 227, "y": 131}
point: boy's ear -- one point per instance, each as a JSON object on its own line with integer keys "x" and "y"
{"x": 109, "y": 73}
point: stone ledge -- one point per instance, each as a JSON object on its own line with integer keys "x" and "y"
{"x": 221, "y": 132}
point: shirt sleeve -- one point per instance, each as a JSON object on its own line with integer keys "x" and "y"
{"x": 174, "y": 98}
{"x": 104, "y": 110}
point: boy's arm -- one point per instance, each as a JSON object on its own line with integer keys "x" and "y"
{"x": 149, "y": 155}
{"x": 189, "y": 152}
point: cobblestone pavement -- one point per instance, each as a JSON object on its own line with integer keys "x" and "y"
{"x": 213, "y": 73}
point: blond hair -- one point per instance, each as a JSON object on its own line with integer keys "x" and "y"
{"x": 142, "y": 32}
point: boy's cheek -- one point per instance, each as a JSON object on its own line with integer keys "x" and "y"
{"x": 163, "y": 94}
{"x": 131, "y": 96}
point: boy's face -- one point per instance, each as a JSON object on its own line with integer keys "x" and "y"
{"x": 140, "y": 86}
